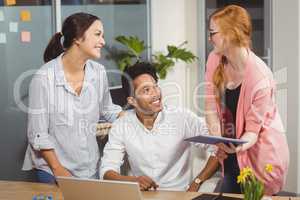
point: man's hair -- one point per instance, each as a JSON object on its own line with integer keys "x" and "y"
{"x": 131, "y": 72}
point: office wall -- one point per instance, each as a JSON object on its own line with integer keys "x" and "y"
{"x": 16, "y": 59}
{"x": 173, "y": 22}
{"x": 286, "y": 64}
{"x": 298, "y": 90}
{"x": 168, "y": 27}
{"x": 195, "y": 35}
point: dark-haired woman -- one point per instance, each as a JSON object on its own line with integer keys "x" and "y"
{"x": 67, "y": 96}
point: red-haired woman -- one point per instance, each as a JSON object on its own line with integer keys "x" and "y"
{"x": 240, "y": 103}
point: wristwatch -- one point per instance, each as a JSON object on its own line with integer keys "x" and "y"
{"x": 198, "y": 181}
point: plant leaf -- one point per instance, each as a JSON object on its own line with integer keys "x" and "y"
{"x": 124, "y": 62}
{"x": 121, "y": 57}
{"x": 162, "y": 64}
{"x": 133, "y": 43}
{"x": 180, "y": 54}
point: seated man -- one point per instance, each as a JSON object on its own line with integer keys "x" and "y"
{"x": 152, "y": 136}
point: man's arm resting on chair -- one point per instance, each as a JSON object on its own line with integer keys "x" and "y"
{"x": 210, "y": 169}
{"x": 145, "y": 182}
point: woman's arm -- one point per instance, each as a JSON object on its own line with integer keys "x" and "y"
{"x": 251, "y": 139}
{"x": 212, "y": 121}
{"x": 56, "y": 167}
{"x": 211, "y": 112}
{"x": 38, "y": 123}
{"x": 109, "y": 110}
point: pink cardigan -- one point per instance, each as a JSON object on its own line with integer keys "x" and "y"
{"x": 257, "y": 112}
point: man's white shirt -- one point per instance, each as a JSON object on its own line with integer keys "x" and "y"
{"x": 160, "y": 153}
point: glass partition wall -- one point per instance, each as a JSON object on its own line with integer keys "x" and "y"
{"x": 25, "y": 29}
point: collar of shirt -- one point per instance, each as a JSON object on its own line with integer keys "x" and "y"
{"x": 60, "y": 79}
{"x": 159, "y": 119}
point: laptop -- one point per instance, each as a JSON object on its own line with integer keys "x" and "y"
{"x": 91, "y": 189}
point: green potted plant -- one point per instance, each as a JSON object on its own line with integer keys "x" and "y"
{"x": 134, "y": 47}
{"x": 252, "y": 188}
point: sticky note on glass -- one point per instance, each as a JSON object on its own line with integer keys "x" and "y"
{"x": 25, "y": 15}
{"x": 10, "y": 2}
{"x": 25, "y": 36}
{"x": 1, "y": 15}
{"x": 13, "y": 27}
{"x": 2, "y": 38}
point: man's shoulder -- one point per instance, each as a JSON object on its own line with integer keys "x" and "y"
{"x": 172, "y": 109}
{"x": 124, "y": 126}
{"x": 127, "y": 118}
{"x": 177, "y": 111}
{"x": 182, "y": 114}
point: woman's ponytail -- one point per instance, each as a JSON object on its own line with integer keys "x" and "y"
{"x": 219, "y": 79}
{"x": 54, "y": 47}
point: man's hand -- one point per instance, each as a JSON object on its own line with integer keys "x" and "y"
{"x": 228, "y": 149}
{"x": 103, "y": 129}
{"x": 210, "y": 168}
{"x": 122, "y": 113}
{"x": 61, "y": 171}
{"x": 146, "y": 183}
{"x": 221, "y": 155}
{"x": 194, "y": 187}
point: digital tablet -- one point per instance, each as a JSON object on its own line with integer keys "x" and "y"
{"x": 210, "y": 139}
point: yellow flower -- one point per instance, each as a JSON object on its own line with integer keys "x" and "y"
{"x": 245, "y": 172}
{"x": 269, "y": 168}
{"x": 252, "y": 188}
{"x": 241, "y": 179}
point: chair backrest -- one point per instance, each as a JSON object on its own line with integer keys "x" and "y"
{"x": 118, "y": 97}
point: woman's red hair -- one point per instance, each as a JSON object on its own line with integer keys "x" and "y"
{"x": 235, "y": 26}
